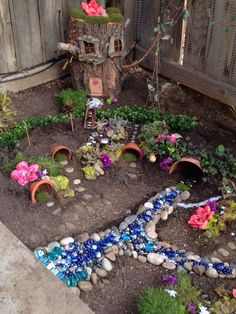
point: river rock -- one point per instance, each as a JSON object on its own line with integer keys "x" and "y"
{"x": 69, "y": 170}
{"x": 164, "y": 215}
{"x": 121, "y": 252}
{"x": 111, "y": 256}
{"x": 134, "y": 254}
{"x": 83, "y": 237}
{"x": 151, "y": 230}
{"x": 215, "y": 260}
{"x": 94, "y": 278}
{"x": 188, "y": 266}
{"x": 75, "y": 291}
{"x": 148, "y": 205}
{"x": 101, "y": 272}
{"x": 95, "y": 237}
{"x": 50, "y": 204}
{"x": 155, "y": 258}
{"x": 200, "y": 270}
{"x": 128, "y": 253}
{"x": 64, "y": 163}
{"x": 169, "y": 209}
{"x": 133, "y": 165}
{"x": 232, "y": 246}
{"x": 76, "y": 181}
{"x": 80, "y": 189}
{"x": 106, "y": 264}
{"x": 67, "y": 241}
{"x": 130, "y": 219}
{"x": 123, "y": 225}
{"x": 87, "y": 197}
{"x": 156, "y": 218}
{"x": 130, "y": 246}
{"x": 223, "y": 252}
{"x": 185, "y": 195}
{"x": 52, "y": 245}
{"x": 168, "y": 265}
{"x": 142, "y": 259}
{"x": 212, "y": 273}
{"x": 85, "y": 286}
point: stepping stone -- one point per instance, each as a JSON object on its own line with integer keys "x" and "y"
{"x": 223, "y": 252}
{"x": 80, "y": 189}
{"x": 50, "y": 204}
{"x": 132, "y": 176}
{"x": 87, "y": 197}
{"x": 64, "y": 163}
{"x": 133, "y": 165}
{"x": 57, "y": 211}
{"x": 76, "y": 181}
{"x": 232, "y": 246}
{"x": 169, "y": 265}
{"x": 69, "y": 170}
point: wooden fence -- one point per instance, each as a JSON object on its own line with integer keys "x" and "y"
{"x": 208, "y": 51}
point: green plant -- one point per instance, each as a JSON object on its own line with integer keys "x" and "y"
{"x": 7, "y": 117}
{"x": 42, "y": 196}
{"x": 71, "y": 101}
{"x": 187, "y": 292}
{"x": 89, "y": 172}
{"x": 157, "y": 301}
{"x": 183, "y": 187}
{"x": 224, "y": 305}
{"x": 61, "y": 184}
{"x": 60, "y": 157}
{"x": 129, "y": 157}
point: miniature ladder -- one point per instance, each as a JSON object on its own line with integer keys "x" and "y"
{"x": 90, "y": 118}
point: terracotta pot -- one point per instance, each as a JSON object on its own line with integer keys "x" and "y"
{"x": 134, "y": 149}
{"x": 36, "y": 186}
{"x": 186, "y": 164}
{"x": 61, "y": 150}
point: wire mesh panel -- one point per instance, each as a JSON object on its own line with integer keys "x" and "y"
{"x": 201, "y": 52}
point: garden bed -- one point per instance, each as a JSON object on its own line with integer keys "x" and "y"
{"x": 117, "y": 194}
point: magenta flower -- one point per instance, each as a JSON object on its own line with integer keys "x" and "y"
{"x": 170, "y": 280}
{"x": 166, "y": 163}
{"x": 212, "y": 205}
{"x": 192, "y": 308}
{"x": 106, "y": 160}
{"x": 25, "y": 173}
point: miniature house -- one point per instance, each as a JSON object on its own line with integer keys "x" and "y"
{"x": 95, "y": 49}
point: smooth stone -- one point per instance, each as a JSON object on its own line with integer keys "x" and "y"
{"x": 50, "y": 204}
{"x": 155, "y": 258}
{"x": 193, "y": 257}
{"x": 215, "y": 260}
{"x": 89, "y": 271}
{"x": 101, "y": 234}
{"x": 111, "y": 256}
{"x": 206, "y": 259}
{"x": 107, "y": 231}
{"x": 94, "y": 278}
{"x": 130, "y": 219}
{"x": 109, "y": 250}
{"x": 85, "y": 286}
{"x": 140, "y": 210}
{"x": 130, "y": 246}
{"x": 101, "y": 272}
{"x": 67, "y": 241}
{"x": 178, "y": 199}
{"x": 148, "y": 205}
{"x": 169, "y": 209}
{"x": 142, "y": 259}
{"x": 69, "y": 170}
{"x": 64, "y": 162}
{"x": 132, "y": 176}
{"x": 87, "y": 197}
{"x": 188, "y": 266}
{"x": 133, "y": 165}
{"x": 222, "y": 276}
{"x": 232, "y": 246}
{"x": 181, "y": 269}
{"x": 75, "y": 291}
{"x": 135, "y": 254}
{"x": 212, "y": 273}
{"x": 52, "y": 245}
{"x": 174, "y": 248}
{"x": 83, "y": 237}
{"x": 128, "y": 253}
{"x": 115, "y": 250}
{"x": 167, "y": 190}
{"x": 223, "y": 252}
{"x": 226, "y": 264}
{"x": 80, "y": 189}
{"x": 106, "y": 264}
{"x": 76, "y": 181}
{"x": 150, "y": 230}
{"x": 164, "y": 215}
{"x": 185, "y": 195}
{"x": 95, "y": 237}
{"x": 165, "y": 245}
{"x": 156, "y": 218}
{"x": 232, "y": 265}
{"x": 57, "y": 211}
{"x": 123, "y": 225}
{"x": 168, "y": 265}
{"x": 200, "y": 270}
{"x": 121, "y": 252}
{"x": 115, "y": 229}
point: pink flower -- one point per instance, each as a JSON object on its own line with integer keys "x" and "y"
{"x": 25, "y": 173}
{"x": 172, "y": 138}
{"x": 161, "y": 137}
{"x": 234, "y": 293}
{"x": 201, "y": 218}
{"x": 93, "y": 8}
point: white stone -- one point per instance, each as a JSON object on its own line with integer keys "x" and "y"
{"x": 135, "y": 254}
{"x": 164, "y": 215}
{"x": 212, "y": 273}
{"x": 69, "y": 170}
{"x": 94, "y": 278}
{"x": 155, "y": 258}
{"x": 89, "y": 271}
{"x": 67, "y": 241}
{"x": 80, "y": 189}
{"x": 106, "y": 264}
{"x": 50, "y": 204}
{"x": 148, "y": 205}
{"x": 151, "y": 230}
{"x": 133, "y": 165}
{"x": 85, "y": 286}
{"x": 76, "y": 181}
{"x": 101, "y": 272}
{"x": 169, "y": 265}
{"x": 95, "y": 237}
{"x": 64, "y": 162}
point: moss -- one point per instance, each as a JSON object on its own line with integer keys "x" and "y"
{"x": 72, "y": 101}
{"x": 113, "y": 10}
{"x": 42, "y": 196}
{"x": 60, "y": 157}
{"x": 97, "y": 19}
{"x": 78, "y": 13}
{"x": 116, "y": 18}
{"x": 129, "y": 157}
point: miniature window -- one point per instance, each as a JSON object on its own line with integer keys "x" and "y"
{"x": 118, "y": 45}
{"x": 89, "y": 47}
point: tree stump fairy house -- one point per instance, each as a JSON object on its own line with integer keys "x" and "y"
{"x": 95, "y": 45}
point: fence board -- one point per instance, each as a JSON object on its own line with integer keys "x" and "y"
{"x": 7, "y": 48}
{"x": 25, "y": 25}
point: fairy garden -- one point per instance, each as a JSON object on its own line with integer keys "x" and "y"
{"x": 132, "y": 205}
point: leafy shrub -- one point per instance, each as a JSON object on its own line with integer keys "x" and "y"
{"x": 157, "y": 301}
{"x": 187, "y": 292}
{"x": 71, "y": 101}
{"x": 225, "y": 304}
{"x": 6, "y": 115}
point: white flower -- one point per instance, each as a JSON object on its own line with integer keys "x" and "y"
{"x": 172, "y": 293}
{"x": 203, "y": 310}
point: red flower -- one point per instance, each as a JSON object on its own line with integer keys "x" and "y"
{"x": 93, "y": 8}
{"x": 201, "y": 218}
{"x": 234, "y": 293}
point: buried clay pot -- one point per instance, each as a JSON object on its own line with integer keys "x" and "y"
{"x": 61, "y": 150}
{"x": 133, "y": 149}
{"x": 187, "y": 165}
{"x": 38, "y": 186}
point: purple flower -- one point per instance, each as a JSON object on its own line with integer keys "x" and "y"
{"x": 114, "y": 99}
{"x": 213, "y": 206}
{"x": 106, "y": 160}
{"x": 42, "y": 173}
{"x": 170, "y": 280}
{"x": 192, "y": 307}
{"x": 166, "y": 163}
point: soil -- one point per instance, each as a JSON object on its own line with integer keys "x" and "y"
{"x": 115, "y": 195}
